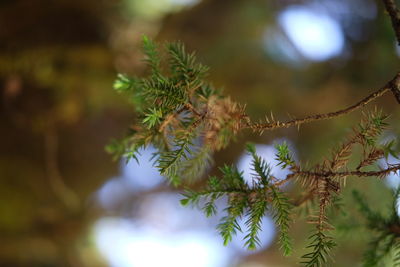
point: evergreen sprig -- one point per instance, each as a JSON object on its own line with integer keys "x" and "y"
{"x": 152, "y": 56}
{"x": 255, "y": 214}
{"x": 234, "y": 187}
{"x": 260, "y": 167}
{"x": 281, "y": 215}
{"x": 321, "y": 246}
{"x": 255, "y": 198}
{"x": 185, "y": 118}
{"x": 184, "y": 67}
{"x": 283, "y": 155}
{"x": 229, "y": 224}
{"x": 169, "y": 162}
{"x": 386, "y": 229}
{"x": 280, "y": 203}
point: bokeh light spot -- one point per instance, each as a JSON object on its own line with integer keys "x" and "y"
{"x": 316, "y": 35}
{"x": 125, "y": 244}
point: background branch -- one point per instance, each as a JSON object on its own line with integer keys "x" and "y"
{"x": 394, "y": 14}
{"x": 395, "y": 87}
{"x": 60, "y": 189}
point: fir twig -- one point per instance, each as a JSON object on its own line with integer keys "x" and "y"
{"x": 318, "y": 117}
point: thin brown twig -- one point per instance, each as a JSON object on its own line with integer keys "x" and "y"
{"x": 190, "y": 107}
{"x": 394, "y": 14}
{"x": 187, "y": 106}
{"x": 380, "y": 173}
{"x": 394, "y": 83}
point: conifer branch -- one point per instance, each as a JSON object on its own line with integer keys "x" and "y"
{"x": 297, "y": 122}
{"x": 280, "y": 203}
{"x": 341, "y": 174}
{"x": 187, "y": 120}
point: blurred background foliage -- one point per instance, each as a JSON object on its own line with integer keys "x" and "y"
{"x": 64, "y": 202}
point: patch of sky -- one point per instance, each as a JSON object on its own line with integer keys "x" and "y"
{"x": 126, "y": 244}
{"x": 135, "y": 176}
